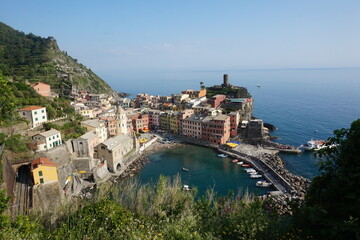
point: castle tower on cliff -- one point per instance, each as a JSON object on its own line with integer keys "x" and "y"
{"x": 121, "y": 121}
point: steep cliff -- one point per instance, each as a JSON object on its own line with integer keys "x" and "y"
{"x": 36, "y": 59}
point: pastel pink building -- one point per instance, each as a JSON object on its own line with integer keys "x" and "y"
{"x": 42, "y": 88}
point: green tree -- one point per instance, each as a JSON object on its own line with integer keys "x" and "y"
{"x": 332, "y": 208}
{"x": 7, "y": 100}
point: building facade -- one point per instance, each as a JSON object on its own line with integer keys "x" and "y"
{"x": 47, "y": 140}
{"x": 43, "y": 171}
{"x": 35, "y": 114}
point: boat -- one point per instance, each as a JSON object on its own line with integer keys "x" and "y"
{"x": 253, "y": 173}
{"x": 258, "y": 85}
{"x": 185, "y": 169}
{"x": 255, "y": 176}
{"x": 249, "y": 170}
{"x": 263, "y": 184}
{"x": 246, "y": 165}
{"x": 222, "y": 155}
{"x": 314, "y": 145}
{"x": 240, "y": 163}
{"x": 235, "y": 161}
{"x": 186, "y": 188}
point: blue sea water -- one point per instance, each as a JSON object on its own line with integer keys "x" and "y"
{"x": 301, "y": 103}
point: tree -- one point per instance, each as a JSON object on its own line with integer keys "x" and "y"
{"x": 332, "y": 207}
{"x": 7, "y": 100}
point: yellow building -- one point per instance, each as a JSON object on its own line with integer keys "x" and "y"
{"x": 43, "y": 171}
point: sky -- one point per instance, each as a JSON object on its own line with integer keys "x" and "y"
{"x": 139, "y": 36}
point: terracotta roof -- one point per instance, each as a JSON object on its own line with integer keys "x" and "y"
{"x": 30, "y": 108}
{"x": 42, "y": 161}
{"x": 38, "y": 83}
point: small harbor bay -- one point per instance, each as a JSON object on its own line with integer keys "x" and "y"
{"x": 206, "y": 170}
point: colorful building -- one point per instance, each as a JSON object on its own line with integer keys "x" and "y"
{"x": 43, "y": 171}
{"x": 216, "y": 100}
{"x": 42, "y": 88}
{"x": 35, "y": 114}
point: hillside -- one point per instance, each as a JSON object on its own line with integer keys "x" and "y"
{"x": 33, "y": 58}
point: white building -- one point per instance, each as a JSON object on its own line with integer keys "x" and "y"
{"x": 98, "y": 125}
{"x": 47, "y": 140}
{"x": 35, "y": 114}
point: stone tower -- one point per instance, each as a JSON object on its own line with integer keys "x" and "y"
{"x": 121, "y": 121}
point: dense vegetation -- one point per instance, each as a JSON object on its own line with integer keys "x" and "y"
{"x": 230, "y": 92}
{"x": 36, "y": 59}
{"x": 17, "y": 94}
{"x": 130, "y": 210}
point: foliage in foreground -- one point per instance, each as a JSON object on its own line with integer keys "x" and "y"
{"x": 134, "y": 211}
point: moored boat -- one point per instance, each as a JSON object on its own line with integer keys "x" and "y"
{"x": 246, "y": 165}
{"x": 222, "y": 155}
{"x": 255, "y": 176}
{"x": 263, "y": 184}
{"x": 235, "y": 161}
{"x": 185, "y": 169}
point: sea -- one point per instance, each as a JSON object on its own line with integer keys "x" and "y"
{"x": 303, "y": 104}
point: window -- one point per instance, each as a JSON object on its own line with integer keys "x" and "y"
{"x": 41, "y": 180}
{"x": 35, "y": 112}
{"x": 50, "y": 145}
{"x": 43, "y": 117}
{"x": 23, "y": 113}
{"x": 36, "y": 119}
{"x": 40, "y": 173}
{"x": 42, "y": 111}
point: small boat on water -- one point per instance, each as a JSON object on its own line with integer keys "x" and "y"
{"x": 249, "y": 170}
{"x": 315, "y": 145}
{"x": 185, "y": 169}
{"x": 222, "y": 155}
{"x": 255, "y": 176}
{"x": 186, "y": 188}
{"x": 258, "y": 85}
{"x": 246, "y": 165}
{"x": 263, "y": 184}
{"x": 253, "y": 173}
{"x": 240, "y": 163}
{"x": 235, "y": 161}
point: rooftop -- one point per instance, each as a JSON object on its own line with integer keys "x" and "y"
{"x": 113, "y": 142}
{"x": 31, "y": 108}
{"x": 93, "y": 123}
{"x": 49, "y": 133}
{"x": 42, "y": 161}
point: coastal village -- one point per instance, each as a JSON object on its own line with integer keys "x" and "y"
{"x": 120, "y": 130}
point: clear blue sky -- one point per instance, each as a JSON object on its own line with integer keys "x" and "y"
{"x": 196, "y": 34}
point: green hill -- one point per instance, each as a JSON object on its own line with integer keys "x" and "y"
{"x": 36, "y": 59}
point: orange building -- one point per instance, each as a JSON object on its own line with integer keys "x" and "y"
{"x": 42, "y": 88}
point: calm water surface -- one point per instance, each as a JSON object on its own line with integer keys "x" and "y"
{"x": 207, "y": 170}
{"x": 302, "y": 104}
